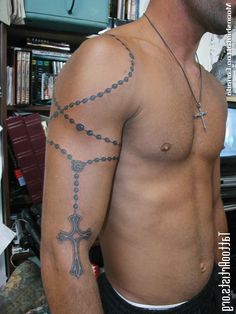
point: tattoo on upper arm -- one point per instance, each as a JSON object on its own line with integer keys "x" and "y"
{"x": 82, "y": 128}
{"x": 76, "y": 235}
{"x": 114, "y": 86}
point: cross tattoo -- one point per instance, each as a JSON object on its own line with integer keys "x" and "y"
{"x": 75, "y": 236}
{"x": 201, "y": 114}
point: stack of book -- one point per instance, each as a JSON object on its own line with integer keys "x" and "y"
{"x": 32, "y": 71}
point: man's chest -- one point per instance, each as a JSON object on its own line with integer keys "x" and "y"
{"x": 166, "y": 129}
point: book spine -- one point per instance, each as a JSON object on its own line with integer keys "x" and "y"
{"x": 44, "y": 43}
{"x": 18, "y": 76}
{"x": 9, "y": 86}
{"x": 134, "y": 10}
{"x": 23, "y": 78}
{"x": 33, "y": 89}
{"x": 37, "y": 138}
{"x": 120, "y": 9}
{"x": 36, "y": 40}
{"x": 129, "y": 9}
{"x": 50, "y": 58}
{"x": 27, "y": 78}
{"x": 52, "y": 54}
{"x": 45, "y": 80}
{"x": 137, "y": 9}
{"x": 38, "y": 81}
{"x": 54, "y": 68}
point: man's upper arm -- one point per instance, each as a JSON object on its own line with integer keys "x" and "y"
{"x": 84, "y": 140}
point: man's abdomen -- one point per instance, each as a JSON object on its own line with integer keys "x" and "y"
{"x": 158, "y": 240}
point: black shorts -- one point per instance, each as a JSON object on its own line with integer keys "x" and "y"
{"x": 208, "y": 301}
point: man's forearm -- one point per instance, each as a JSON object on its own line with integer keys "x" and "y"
{"x": 67, "y": 294}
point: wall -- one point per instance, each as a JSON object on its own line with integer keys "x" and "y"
{"x": 204, "y": 51}
{"x": 142, "y": 6}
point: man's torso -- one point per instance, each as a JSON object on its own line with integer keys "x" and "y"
{"x": 158, "y": 239}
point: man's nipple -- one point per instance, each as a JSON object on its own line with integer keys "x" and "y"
{"x": 165, "y": 147}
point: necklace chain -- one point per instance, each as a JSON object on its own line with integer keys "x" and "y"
{"x": 200, "y": 113}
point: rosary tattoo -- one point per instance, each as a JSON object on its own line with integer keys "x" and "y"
{"x": 76, "y": 235}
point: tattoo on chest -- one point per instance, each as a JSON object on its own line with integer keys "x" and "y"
{"x": 75, "y": 235}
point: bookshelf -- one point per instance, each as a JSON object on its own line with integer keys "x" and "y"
{"x": 15, "y": 36}
{"x": 4, "y": 155}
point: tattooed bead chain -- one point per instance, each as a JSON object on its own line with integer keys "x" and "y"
{"x": 82, "y": 128}
{"x": 61, "y": 110}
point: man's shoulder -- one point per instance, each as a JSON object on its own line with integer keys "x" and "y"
{"x": 101, "y": 66}
{"x": 114, "y": 42}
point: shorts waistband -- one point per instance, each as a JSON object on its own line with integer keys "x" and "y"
{"x": 148, "y": 306}
{"x": 203, "y": 302}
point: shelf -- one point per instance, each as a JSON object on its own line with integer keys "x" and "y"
{"x": 119, "y": 22}
{"x": 29, "y": 108}
{"x": 17, "y": 36}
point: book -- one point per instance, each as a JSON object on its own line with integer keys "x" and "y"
{"x": 18, "y": 76}
{"x": 42, "y": 66}
{"x": 27, "y": 77}
{"x": 33, "y": 74}
{"x": 48, "y": 44}
{"x": 43, "y": 74}
{"x": 128, "y": 9}
{"x": 33, "y": 87}
{"x": 23, "y": 79}
{"x": 37, "y": 138}
{"x": 50, "y": 55}
{"x": 25, "y": 156}
{"x": 47, "y": 86}
{"x": 10, "y": 93}
{"x": 120, "y": 9}
{"x": 134, "y": 14}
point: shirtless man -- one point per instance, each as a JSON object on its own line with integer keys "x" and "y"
{"x": 133, "y": 158}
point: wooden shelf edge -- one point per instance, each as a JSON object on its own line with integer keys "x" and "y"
{"x": 29, "y": 108}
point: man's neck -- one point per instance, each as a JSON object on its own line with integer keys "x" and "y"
{"x": 180, "y": 30}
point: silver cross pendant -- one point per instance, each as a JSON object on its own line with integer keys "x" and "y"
{"x": 201, "y": 114}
